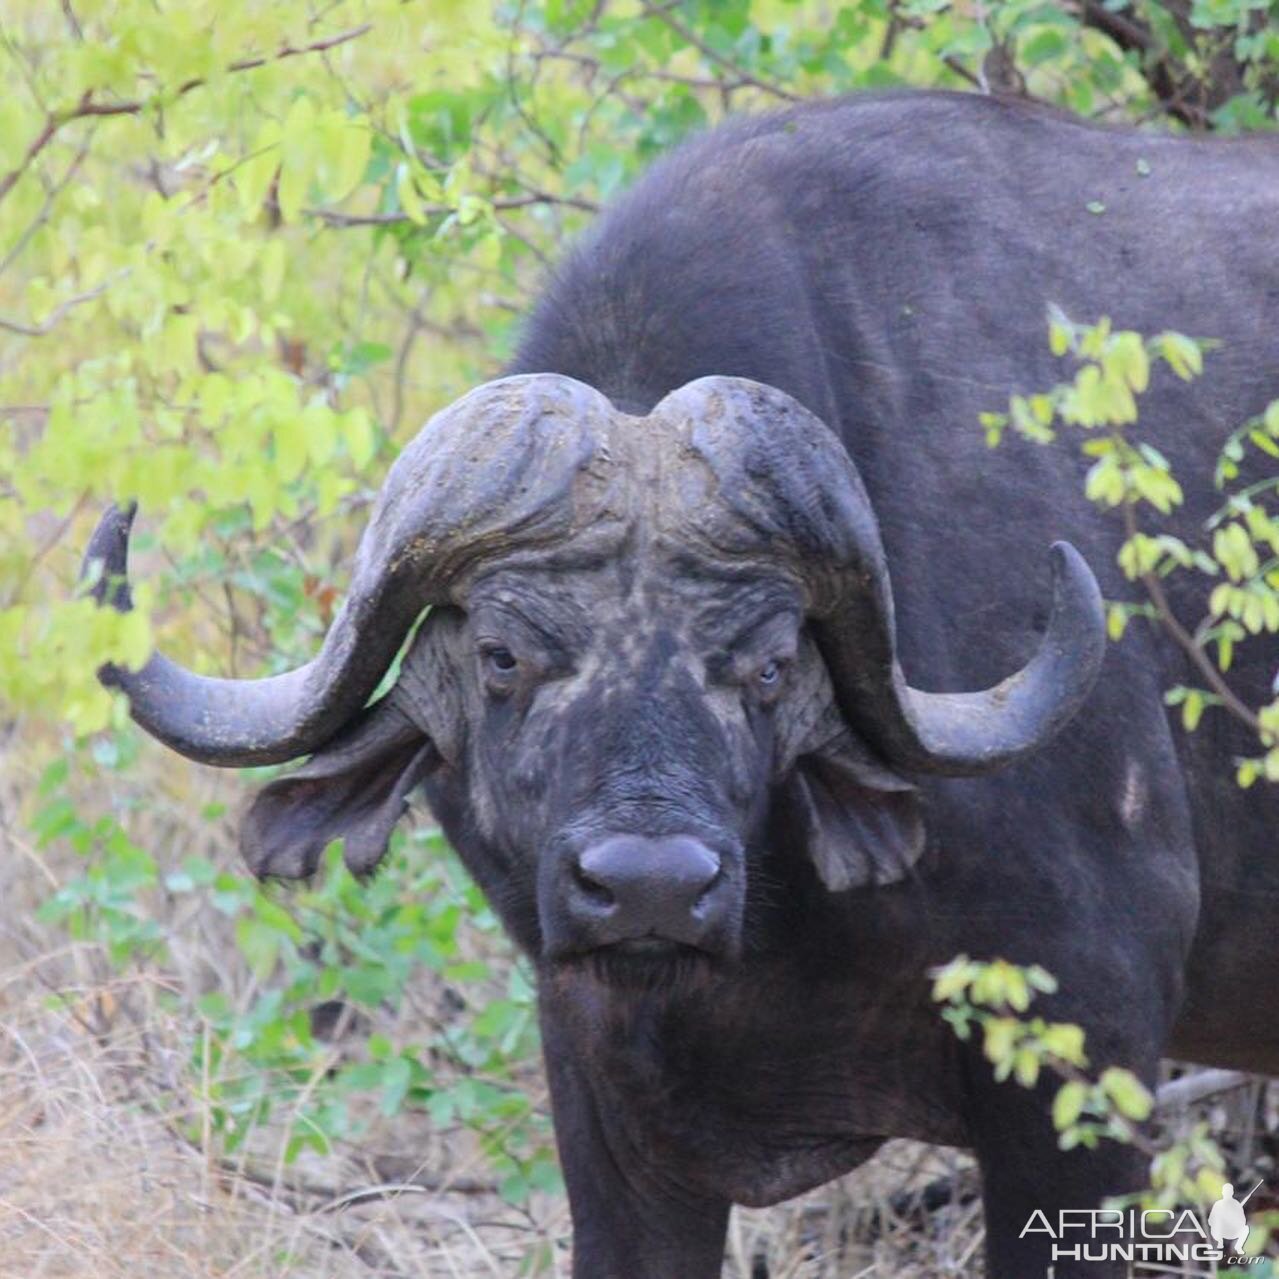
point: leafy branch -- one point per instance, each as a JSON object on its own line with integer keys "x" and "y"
{"x": 993, "y": 997}
{"x": 1115, "y": 368}
{"x": 88, "y": 107}
{"x": 1193, "y": 649}
{"x": 664, "y": 15}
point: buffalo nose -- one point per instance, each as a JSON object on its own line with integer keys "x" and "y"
{"x": 636, "y": 887}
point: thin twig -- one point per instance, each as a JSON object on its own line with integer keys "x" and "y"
{"x": 964, "y": 74}
{"x": 47, "y": 207}
{"x": 335, "y": 218}
{"x": 72, "y": 21}
{"x": 691, "y": 37}
{"x": 1203, "y": 664}
{"x": 45, "y": 547}
{"x": 402, "y": 366}
{"x": 43, "y": 329}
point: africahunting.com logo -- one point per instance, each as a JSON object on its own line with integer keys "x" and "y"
{"x": 1149, "y": 1239}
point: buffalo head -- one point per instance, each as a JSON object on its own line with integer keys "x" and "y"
{"x": 643, "y": 632}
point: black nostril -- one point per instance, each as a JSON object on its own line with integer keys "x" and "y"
{"x": 592, "y": 887}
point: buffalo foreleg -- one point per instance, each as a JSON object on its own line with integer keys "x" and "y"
{"x": 632, "y": 1218}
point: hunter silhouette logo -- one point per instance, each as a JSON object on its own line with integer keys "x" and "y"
{"x": 1149, "y": 1238}
{"x": 1226, "y": 1221}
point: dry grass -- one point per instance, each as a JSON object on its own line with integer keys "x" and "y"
{"x": 109, "y": 1165}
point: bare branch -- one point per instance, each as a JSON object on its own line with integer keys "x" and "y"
{"x": 72, "y": 21}
{"x": 964, "y": 74}
{"x": 335, "y": 218}
{"x": 1179, "y": 1093}
{"x": 292, "y": 51}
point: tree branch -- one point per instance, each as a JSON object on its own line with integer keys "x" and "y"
{"x": 1192, "y": 1088}
{"x": 335, "y": 218}
{"x": 1188, "y": 89}
{"x": 1172, "y": 624}
{"x": 690, "y": 37}
{"x": 51, "y": 195}
{"x": 87, "y": 107}
{"x": 47, "y": 327}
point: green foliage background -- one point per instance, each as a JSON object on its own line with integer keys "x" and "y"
{"x": 245, "y": 250}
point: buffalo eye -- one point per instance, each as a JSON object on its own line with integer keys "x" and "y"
{"x": 501, "y": 659}
{"x": 500, "y": 667}
{"x": 770, "y": 679}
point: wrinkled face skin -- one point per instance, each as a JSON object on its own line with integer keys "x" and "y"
{"x": 622, "y": 728}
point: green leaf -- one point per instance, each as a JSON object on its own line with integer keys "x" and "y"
{"x": 1116, "y": 621}
{"x": 397, "y": 1076}
{"x": 406, "y": 193}
{"x": 1068, "y": 1104}
{"x": 1065, "y": 1040}
{"x": 299, "y": 158}
{"x": 345, "y": 159}
{"x": 290, "y": 447}
{"x": 1131, "y": 1097}
{"x": 1181, "y": 354}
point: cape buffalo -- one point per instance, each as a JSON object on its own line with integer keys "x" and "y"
{"x": 668, "y": 707}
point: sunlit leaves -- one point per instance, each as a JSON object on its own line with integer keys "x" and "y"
{"x": 1129, "y": 474}
{"x": 1180, "y": 353}
{"x": 1131, "y": 1097}
{"x": 52, "y": 654}
{"x": 1068, "y": 1104}
{"x": 991, "y": 997}
{"x": 1234, "y": 551}
{"x": 321, "y": 154}
{"x": 987, "y": 1001}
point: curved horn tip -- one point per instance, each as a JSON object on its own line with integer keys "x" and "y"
{"x": 1077, "y": 603}
{"x": 970, "y": 734}
{"x": 109, "y": 546}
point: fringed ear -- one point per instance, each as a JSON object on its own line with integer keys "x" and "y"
{"x": 862, "y": 823}
{"x": 355, "y": 788}
{"x": 357, "y": 785}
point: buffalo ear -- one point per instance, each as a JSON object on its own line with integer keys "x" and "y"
{"x": 354, "y": 788}
{"x": 862, "y": 823}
